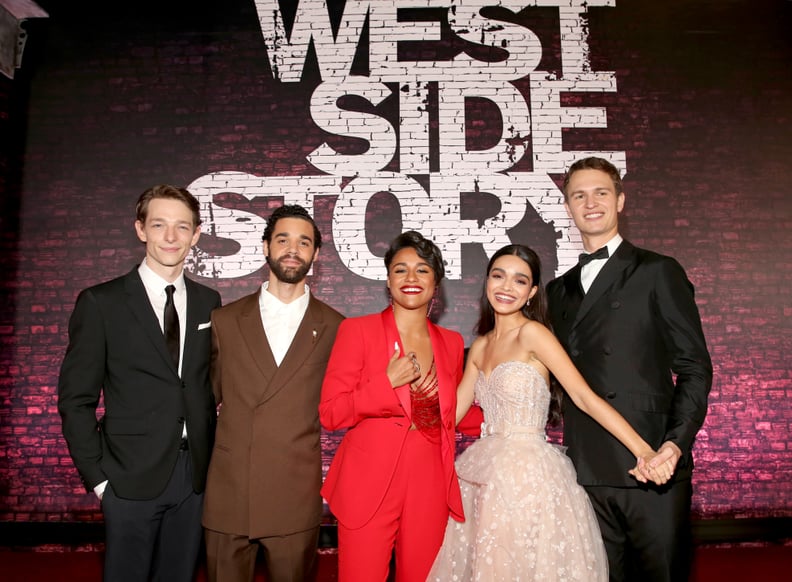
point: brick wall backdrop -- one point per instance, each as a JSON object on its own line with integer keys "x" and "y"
{"x": 180, "y": 91}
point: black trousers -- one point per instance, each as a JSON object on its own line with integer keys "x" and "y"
{"x": 154, "y": 539}
{"x": 646, "y": 531}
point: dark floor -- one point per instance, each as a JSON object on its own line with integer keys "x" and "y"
{"x": 725, "y": 563}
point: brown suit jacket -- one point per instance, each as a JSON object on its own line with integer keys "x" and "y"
{"x": 265, "y": 472}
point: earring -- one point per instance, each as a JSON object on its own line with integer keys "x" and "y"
{"x": 528, "y": 303}
{"x": 432, "y": 304}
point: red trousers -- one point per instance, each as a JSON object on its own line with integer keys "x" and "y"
{"x": 412, "y": 520}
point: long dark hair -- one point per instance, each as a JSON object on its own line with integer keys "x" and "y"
{"x": 535, "y": 309}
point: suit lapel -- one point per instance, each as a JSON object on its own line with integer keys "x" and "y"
{"x": 612, "y": 270}
{"x": 139, "y": 304}
{"x": 444, "y": 376}
{"x": 573, "y": 294}
{"x": 251, "y": 330}
{"x": 311, "y": 329}
{"x": 191, "y": 325}
{"x": 392, "y": 337}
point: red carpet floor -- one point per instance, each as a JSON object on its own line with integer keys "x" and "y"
{"x": 713, "y": 564}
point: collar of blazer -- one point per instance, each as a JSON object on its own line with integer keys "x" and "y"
{"x": 198, "y": 312}
{"x": 140, "y": 306}
{"x": 275, "y": 377}
{"x": 439, "y": 352}
{"x": 621, "y": 259}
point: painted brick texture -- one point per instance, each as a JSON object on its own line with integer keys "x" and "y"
{"x": 692, "y": 99}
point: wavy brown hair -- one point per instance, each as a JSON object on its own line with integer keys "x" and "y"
{"x": 168, "y": 192}
{"x": 593, "y": 163}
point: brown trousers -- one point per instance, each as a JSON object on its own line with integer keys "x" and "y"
{"x": 289, "y": 558}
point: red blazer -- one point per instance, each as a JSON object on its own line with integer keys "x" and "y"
{"x": 357, "y": 395}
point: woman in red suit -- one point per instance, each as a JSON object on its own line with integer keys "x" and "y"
{"x": 391, "y": 381}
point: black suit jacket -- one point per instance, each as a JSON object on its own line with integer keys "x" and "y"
{"x": 636, "y": 338}
{"x": 117, "y": 349}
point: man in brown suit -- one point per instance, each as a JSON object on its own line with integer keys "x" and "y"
{"x": 269, "y": 353}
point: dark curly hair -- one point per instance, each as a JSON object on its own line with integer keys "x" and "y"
{"x": 290, "y": 211}
{"x": 425, "y": 248}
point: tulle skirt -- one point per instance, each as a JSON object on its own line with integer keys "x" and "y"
{"x": 526, "y": 517}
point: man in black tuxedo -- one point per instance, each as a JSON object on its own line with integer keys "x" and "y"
{"x": 142, "y": 341}
{"x": 628, "y": 320}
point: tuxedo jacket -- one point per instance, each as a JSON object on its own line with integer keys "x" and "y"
{"x": 357, "y": 395}
{"x": 636, "y": 338}
{"x": 266, "y": 468}
{"x": 117, "y": 350}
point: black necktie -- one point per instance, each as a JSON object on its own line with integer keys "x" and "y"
{"x": 171, "y": 320}
{"x": 585, "y": 259}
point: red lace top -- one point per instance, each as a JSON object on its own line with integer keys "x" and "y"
{"x": 425, "y": 403}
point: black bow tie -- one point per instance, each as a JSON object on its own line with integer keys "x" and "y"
{"x": 585, "y": 259}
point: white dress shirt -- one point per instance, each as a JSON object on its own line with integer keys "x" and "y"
{"x": 590, "y": 271}
{"x": 281, "y": 320}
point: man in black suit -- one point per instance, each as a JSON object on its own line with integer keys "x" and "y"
{"x": 628, "y": 320}
{"x": 142, "y": 341}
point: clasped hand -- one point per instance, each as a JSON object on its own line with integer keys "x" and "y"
{"x": 657, "y": 467}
